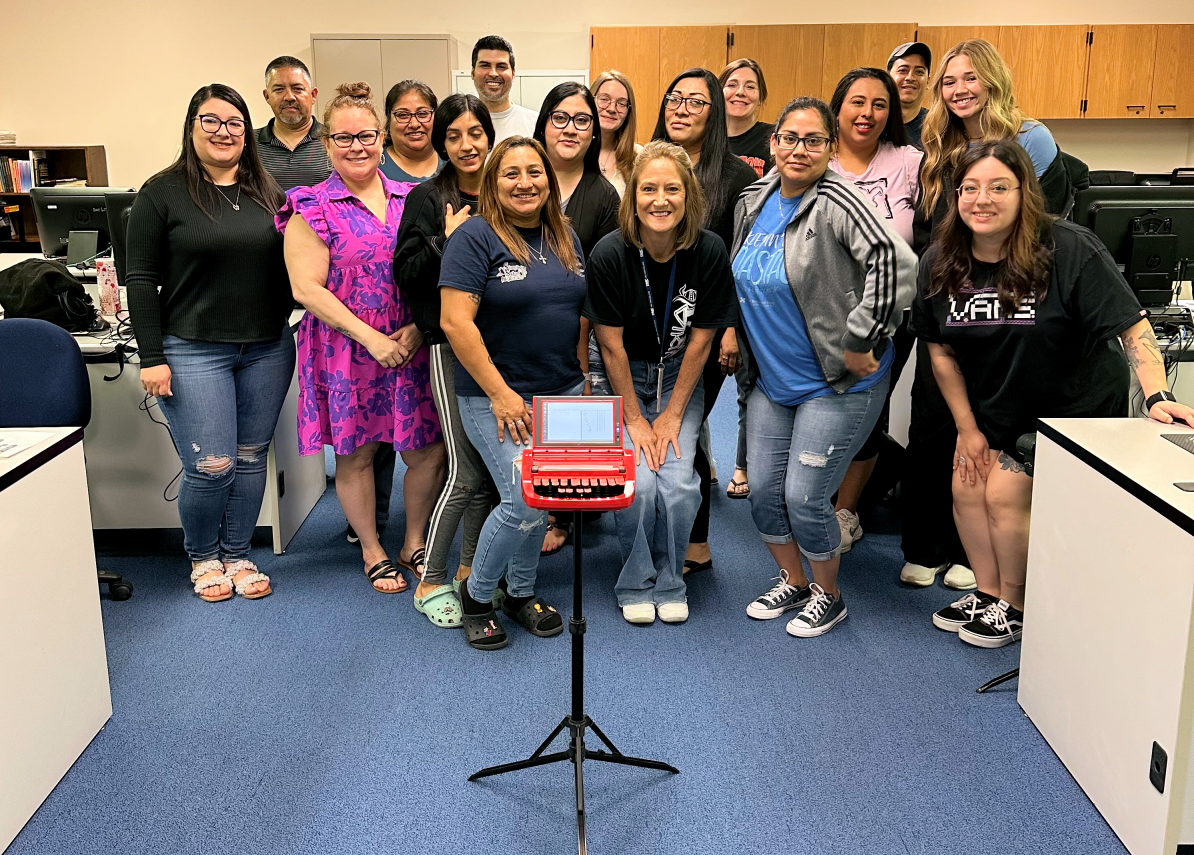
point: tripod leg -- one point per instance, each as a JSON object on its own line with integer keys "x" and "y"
{"x": 489, "y": 771}
{"x": 1002, "y": 678}
{"x": 618, "y": 757}
{"x": 578, "y": 758}
{"x": 550, "y": 739}
{"x": 601, "y": 735}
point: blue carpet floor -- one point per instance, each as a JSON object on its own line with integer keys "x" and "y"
{"x": 331, "y": 719}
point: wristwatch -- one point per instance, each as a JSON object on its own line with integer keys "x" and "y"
{"x": 1156, "y": 398}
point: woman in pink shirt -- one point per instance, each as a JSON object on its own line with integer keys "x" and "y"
{"x": 873, "y": 152}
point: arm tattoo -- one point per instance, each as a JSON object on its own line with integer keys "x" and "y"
{"x": 1006, "y": 461}
{"x": 1142, "y": 350}
{"x": 344, "y": 332}
{"x": 476, "y": 298}
{"x": 957, "y": 369}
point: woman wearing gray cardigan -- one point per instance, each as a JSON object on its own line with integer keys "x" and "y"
{"x": 822, "y": 283}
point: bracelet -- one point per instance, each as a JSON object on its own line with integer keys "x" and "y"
{"x": 1156, "y": 398}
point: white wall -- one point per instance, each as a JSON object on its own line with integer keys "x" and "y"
{"x": 120, "y": 72}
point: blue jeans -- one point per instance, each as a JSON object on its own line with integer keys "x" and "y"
{"x": 797, "y": 458}
{"x": 512, "y": 536}
{"x": 653, "y": 532}
{"x": 222, "y": 414}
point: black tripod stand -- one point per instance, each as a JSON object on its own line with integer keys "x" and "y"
{"x": 577, "y": 721}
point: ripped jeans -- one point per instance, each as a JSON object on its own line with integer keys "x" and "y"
{"x": 222, "y": 414}
{"x": 797, "y": 458}
{"x": 512, "y": 536}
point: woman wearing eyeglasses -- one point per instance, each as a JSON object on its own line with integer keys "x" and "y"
{"x": 571, "y": 135}
{"x": 693, "y": 116}
{"x": 1018, "y": 308}
{"x": 462, "y": 134}
{"x": 409, "y": 155}
{"x": 745, "y": 90}
{"x": 363, "y": 365}
{"x": 209, "y": 299}
{"x": 822, "y": 283}
{"x": 614, "y": 97}
{"x": 512, "y": 287}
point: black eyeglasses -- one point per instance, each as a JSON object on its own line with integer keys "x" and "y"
{"x": 212, "y": 124}
{"x": 696, "y": 106}
{"x": 604, "y": 102}
{"x": 366, "y": 138}
{"x": 786, "y": 141}
{"x": 424, "y": 115}
{"x": 582, "y": 121}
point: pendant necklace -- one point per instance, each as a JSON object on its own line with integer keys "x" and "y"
{"x": 540, "y": 254}
{"x": 235, "y": 205}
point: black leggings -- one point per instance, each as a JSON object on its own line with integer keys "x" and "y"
{"x": 712, "y": 379}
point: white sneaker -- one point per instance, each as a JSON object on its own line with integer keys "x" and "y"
{"x": 960, "y": 578}
{"x": 643, "y": 613}
{"x": 672, "y": 612}
{"x": 920, "y": 576}
{"x": 851, "y": 530}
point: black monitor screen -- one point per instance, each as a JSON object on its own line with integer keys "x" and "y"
{"x": 62, "y": 210}
{"x": 119, "y": 206}
{"x": 1149, "y": 231}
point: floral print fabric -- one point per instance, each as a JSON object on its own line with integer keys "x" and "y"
{"x": 347, "y": 398}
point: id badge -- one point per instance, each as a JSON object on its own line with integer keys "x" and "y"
{"x": 659, "y": 388}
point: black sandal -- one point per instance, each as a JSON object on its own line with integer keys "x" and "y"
{"x": 385, "y": 569}
{"x": 484, "y": 632}
{"x": 564, "y": 527}
{"x": 534, "y": 615}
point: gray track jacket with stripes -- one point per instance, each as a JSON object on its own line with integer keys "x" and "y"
{"x": 851, "y": 275}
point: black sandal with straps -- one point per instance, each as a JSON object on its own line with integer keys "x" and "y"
{"x": 385, "y": 569}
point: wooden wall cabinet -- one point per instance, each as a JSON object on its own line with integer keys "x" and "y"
{"x": 791, "y": 55}
{"x": 1048, "y": 66}
{"x": 1119, "y": 85}
{"x": 849, "y": 46}
{"x": 1173, "y": 73}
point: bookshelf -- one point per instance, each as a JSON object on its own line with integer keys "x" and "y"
{"x": 84, "y": 162}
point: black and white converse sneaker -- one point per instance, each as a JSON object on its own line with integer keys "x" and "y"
{"x": 960, "y": 612}
{"x": 1001, "y": 624}
{"x": 782, "y": 598}
{"x": 820, "y": 614}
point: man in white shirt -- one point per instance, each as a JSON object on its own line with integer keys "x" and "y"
{"x": 493, "y": 75}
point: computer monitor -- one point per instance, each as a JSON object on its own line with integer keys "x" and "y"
{"x": 120, "y": 205}
{"x": 63, "y": 212}
{"x": 1149, "y": 231}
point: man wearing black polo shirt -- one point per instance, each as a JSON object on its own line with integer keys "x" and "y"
{"x": 289, "y": 144}
{"x": 910, "y": 65}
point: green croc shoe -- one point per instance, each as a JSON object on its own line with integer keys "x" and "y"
{"x": 441, "y": 607}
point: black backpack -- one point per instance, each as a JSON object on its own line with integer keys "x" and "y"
{"x": 46, "y": 290}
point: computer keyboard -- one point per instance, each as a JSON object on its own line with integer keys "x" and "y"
{"x": 1184, "y": 441}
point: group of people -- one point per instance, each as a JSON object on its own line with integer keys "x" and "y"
{"x": 458, "y": 258}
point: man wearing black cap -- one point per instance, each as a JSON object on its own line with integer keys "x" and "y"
{"x": 909, "y": 64}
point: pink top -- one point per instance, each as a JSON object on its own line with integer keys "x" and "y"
{"x": 892, "y": 183}
{"x": 346, "y": 397}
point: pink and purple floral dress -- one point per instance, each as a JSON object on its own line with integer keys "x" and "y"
{"x": 347, "y": 398}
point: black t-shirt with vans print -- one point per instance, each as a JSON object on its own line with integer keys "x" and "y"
{"x": 754, "y": 148}
{"x": 1053, "y": 357}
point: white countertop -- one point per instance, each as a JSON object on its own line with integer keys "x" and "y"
{"x": 53, "y": 435}
{"x": 1134, "y": 448}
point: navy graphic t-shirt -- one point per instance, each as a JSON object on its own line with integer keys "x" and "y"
{"x": 1052, "y": 357}
{"x": 702, "y": 294}
{"x": 529, "y": 316}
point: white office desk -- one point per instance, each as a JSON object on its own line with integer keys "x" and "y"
{"x": 131, "y": 462}
{"x": 54, "y": 694}
{"x": 1106, "y": 668}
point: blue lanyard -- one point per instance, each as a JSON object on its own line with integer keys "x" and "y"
{"x": 671, "y": 283}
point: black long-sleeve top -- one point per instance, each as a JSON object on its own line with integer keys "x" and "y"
{"x": 418, "y": 253}
{"x": 593, "y": 210}
{"x": 217, "y": 280}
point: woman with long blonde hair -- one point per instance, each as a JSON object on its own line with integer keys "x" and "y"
{"x": 616, "y": 113}
{"x": 972, "y": 101}
{"x": 511, "y": 291}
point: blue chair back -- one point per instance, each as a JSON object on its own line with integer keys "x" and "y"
{"x": 43, "y": 380}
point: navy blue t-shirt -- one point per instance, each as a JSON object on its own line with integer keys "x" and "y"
{"x": 529, "y": 316}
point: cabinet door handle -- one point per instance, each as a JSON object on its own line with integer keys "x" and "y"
{"x": 1136, "y": 108}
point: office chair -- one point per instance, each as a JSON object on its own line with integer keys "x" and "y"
{"x": 44, "y": 384}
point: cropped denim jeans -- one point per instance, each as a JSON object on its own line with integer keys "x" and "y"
{"x": 653, "y": 532}
{"x": 797, "y": 458}
{"x": 222, "y": 415}
{"x": 512, "y": 535}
